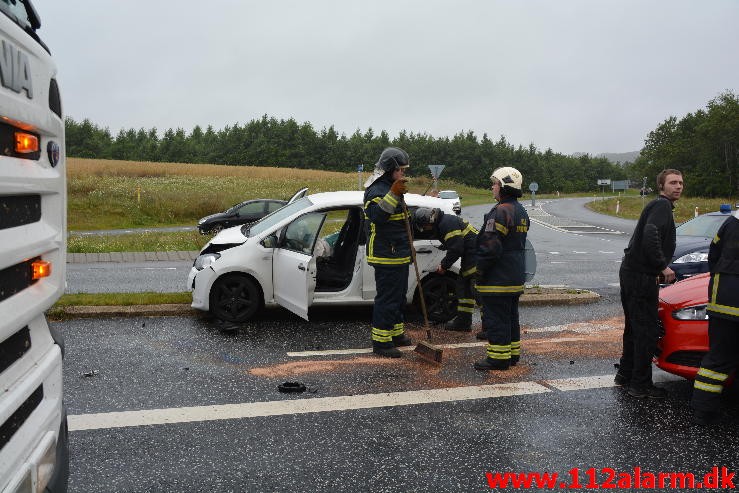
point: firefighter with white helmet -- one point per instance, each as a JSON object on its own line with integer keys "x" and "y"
{"x": 388, "y": 250}
{"x": 501, "y": 270}
{"x": 460, "y": 241}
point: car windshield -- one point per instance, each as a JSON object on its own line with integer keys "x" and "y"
{"x": 705, "y": 225}
{"x": 268, "y": 221}
{"x": 448, "y": 195}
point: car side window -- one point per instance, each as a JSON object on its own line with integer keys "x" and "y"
{"x": 300, "y": 235}
{"x": 273, "y": 206}
{"x": 251, "y": 208}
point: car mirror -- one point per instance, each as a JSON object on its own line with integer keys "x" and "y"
{"x": 270, "y": 242}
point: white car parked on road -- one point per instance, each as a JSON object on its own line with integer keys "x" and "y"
{"x": 453, "y": 198}
{"x": 309, "y": 252}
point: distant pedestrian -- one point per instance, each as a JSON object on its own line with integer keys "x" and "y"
{"x": 501, "y": 245}
{"x": 646, "y": 262}
{"x": 723, "y": 323}
{"x": 388, "y": 250}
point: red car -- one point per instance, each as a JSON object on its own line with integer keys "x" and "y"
{"x": 683, "y": 325}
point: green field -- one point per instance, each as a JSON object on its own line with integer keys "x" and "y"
{"x": 107, "y": 194}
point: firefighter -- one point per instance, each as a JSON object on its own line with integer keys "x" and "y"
{"x": 388, "y": 250}
{"x": 459, "y": 238}
{"x": 501, "y": 270}
{"x": 723, "y": 323}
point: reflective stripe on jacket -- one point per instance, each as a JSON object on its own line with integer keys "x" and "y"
{"x": 723, "y": 261}
{"x": 387, "y": 239}
{"x": 501, "y": 246}
{"x": 460, "y": 240}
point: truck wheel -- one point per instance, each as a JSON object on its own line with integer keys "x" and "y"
{"x": 235, "y": 298}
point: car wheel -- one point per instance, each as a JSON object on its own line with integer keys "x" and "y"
{"x": 216, "y": 229}
{"x": 440, "y": 294}
{"x": 235, "y": 298}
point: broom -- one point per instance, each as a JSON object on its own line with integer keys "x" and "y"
{"x": 424, "y": 348}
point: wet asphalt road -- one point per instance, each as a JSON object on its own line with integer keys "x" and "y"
{"x": 175, "y": 363}
{"x": 538, "y": 422}
{"x": 587, "y": 261}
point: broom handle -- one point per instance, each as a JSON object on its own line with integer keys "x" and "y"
{"x": 415, "y": 266}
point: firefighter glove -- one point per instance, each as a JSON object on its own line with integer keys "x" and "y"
{"x": 399, "y": 187}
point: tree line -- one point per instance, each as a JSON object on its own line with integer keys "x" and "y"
{"x": 704, "y": 145}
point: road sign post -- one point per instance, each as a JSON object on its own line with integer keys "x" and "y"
{"x": 533, "y": 187}
{"x": 436, "y": 170}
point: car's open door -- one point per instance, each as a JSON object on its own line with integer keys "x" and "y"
{"x": 294, "y": 280}
{"x": 294, "y": 266}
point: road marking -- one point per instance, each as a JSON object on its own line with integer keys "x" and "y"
{"x": 339, "y": 352}
{"x": 148, "y": 417}
{"x": 554, "y": 253}
{"x": 582, "y": 383}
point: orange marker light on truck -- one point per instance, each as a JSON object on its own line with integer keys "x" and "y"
{"x": 25, "y": 143}
{"x": 40, "y": 268}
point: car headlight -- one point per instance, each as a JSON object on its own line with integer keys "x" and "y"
{"x": 692, "y": 257}
{"x": 697, "y": 312}
{"x": 206, "y": 260}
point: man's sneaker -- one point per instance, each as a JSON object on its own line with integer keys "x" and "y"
{"x": 650, "y": 392}
{"x": 387, "y": 352}
{"x": 488, "y": 364}
{"x": 621, "y": 380}
{"x": 704, "y": 418}
{"x": 482, "y": 335}
{"x": 402, "y": 340}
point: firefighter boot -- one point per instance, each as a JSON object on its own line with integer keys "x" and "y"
{"x": 402, "y": 340}
{"x": 461, "y": 323}
{"x": 488, "y": 364}
{"x": 386, "y": 351}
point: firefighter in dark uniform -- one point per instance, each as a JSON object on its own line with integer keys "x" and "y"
{"x": 723, "y": 323}
{"x": 459, "y": 239}
{"x": 388, "y": 250}
{"x": 501, "y": 270}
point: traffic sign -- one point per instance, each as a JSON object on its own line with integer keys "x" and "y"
{"x": 533, "y": 186}
{"x": 436, "y": 170}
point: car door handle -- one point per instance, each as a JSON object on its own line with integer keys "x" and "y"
{"x": 424, "y": 251}
{"x": 301, "y": 267}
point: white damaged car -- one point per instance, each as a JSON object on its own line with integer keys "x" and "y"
{"x": 309, "y": 252}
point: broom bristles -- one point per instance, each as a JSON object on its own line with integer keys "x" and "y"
{"x": 429, "y": 351}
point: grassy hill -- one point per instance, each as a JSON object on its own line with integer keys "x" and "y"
{"x": 108, "y": 194}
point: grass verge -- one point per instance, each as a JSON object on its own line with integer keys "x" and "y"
{"x": 137, "y": 242}
{"x": 631, "y": 207}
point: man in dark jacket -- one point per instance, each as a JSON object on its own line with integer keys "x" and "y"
{"x": 388, "y": 250}
{"x": 646, "y": 260}
{"x": 723, "y": 323}
{"x": 459, "y": 239}
{"x": 501, "y": 270}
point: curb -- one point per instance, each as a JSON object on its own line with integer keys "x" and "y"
{"x": 578, "y": 297}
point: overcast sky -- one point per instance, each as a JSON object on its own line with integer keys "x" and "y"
{"x": 574, "y": 75}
